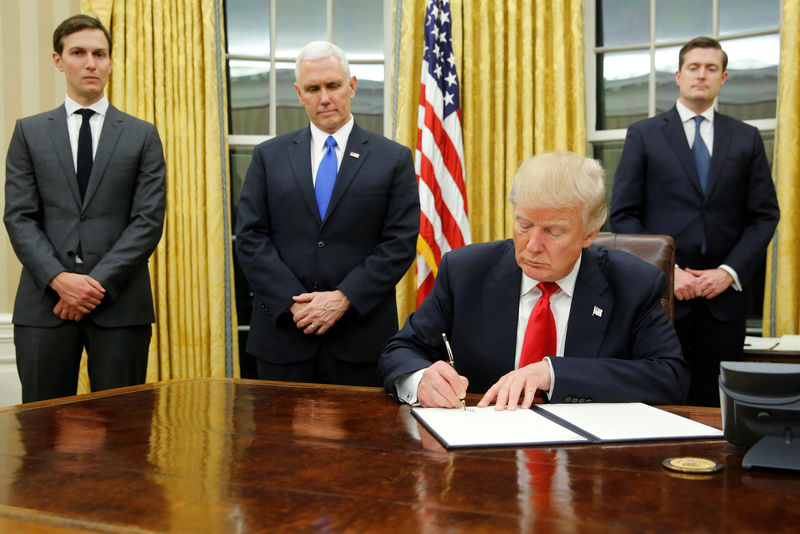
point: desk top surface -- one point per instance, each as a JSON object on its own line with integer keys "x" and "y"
{"x": 211, "y": 455}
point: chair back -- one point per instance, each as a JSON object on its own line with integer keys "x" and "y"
{"x": 658, "y": 250}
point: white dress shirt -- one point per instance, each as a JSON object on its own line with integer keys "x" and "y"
{"x": 318, "y": 148}
{"x": 707, "y": 133}
{"x": 560, "y": 305}
{"x": 74, "y": 121}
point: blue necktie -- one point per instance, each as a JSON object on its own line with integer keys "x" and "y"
{"x": 326, "y": 177}
{"x": 700, "y": 152}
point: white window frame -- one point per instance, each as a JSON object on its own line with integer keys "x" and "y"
{"x": 241, "y": 140}
{"x": 595, "y": 136}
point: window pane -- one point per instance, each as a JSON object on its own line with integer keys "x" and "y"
{"x": 746, "y": 15}
{"x": 367, "y": 16}
{"x": 752, "y": 88}
{"x": 682, "y": 20}
{"x": 666, "y": 60}
{"x": 609, "y": 154}
{"x": 249, "y": 96}
{"x": 623, "y": 22}
{"x": 623, "y": 80}
{"x": 247, "y": 27}
{"x": 298, "y": 22}
{"x": 289, "y": 113}
{"x": 367, "y": 106}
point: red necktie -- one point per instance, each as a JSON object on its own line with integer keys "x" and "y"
{"x": 540, "y": 334}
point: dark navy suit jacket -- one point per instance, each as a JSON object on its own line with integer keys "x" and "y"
{"x": 657, "y": 191}
{"x": 363, "y": 247}
{"x": 627, "y": 352}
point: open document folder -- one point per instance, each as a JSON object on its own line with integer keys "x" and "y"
{"x": 558, "y": 423}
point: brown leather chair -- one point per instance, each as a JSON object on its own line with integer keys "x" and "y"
{"x": 658, "y": 250}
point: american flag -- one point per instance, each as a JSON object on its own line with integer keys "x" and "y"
{"x": 439, "y": 157}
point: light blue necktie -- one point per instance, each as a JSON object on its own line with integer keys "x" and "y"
{"x": 702, "y": 158}
{"x": 326, "y": 176}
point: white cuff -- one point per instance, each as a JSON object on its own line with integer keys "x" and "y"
{"x": 406, "y": 386}
{"x": 552, "y": 378}
{"x": 736, "y": 285}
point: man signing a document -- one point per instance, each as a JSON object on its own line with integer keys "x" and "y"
{"x": 545, "y": 311}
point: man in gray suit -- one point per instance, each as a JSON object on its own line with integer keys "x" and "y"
{"x": 85, "y": 201}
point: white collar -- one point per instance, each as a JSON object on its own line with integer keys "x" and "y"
{"x": 100, "y": 107}
{"x": 566, "y": 284}
{"x": 341, "y": 135}
{"x": 687, "y": 114}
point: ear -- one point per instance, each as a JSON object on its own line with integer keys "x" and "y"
{"x": 57, "y": 61}
{"x": 677, "y": 77}
{"x": 724, "y": 77}
{"x": 297, "y": 89}
{"x": 589, "y": 239}
{"x": 353, "y": 84}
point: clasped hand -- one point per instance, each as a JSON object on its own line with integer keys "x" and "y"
{"x": 316, "y": 313}
{"x": 79, "y": 295}
{"x": 705, "y": 283}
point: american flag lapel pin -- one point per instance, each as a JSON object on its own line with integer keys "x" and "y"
{"x": 597, "y": 312}
{"x": 355, "y": 155}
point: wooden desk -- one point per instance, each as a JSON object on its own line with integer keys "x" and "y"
{"x": 755, "y": 355}
{"x": 245, "y": 456}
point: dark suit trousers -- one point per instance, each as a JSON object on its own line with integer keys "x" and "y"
{"x": 322, "y": 368}
{"x": 48, "y": 359}
{"x": 705, "y": 342}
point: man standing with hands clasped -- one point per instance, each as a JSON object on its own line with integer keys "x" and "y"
{"x": 85, "y": 201}
{"x": 702, "y": 178}
{"x": 327, "y": 226}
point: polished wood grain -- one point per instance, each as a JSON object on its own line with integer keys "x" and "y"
{"x": 246, "y": 456}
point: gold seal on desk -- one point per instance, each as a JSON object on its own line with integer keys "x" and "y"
{"x": 689, "y": 464}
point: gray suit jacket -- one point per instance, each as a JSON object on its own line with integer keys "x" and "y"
{"x": 118, "y": 224}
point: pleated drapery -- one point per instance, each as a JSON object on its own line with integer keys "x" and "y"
{"x": 782, "y": 291}
{"x": 521, "y": 68}
{"x": 168, "y": 68}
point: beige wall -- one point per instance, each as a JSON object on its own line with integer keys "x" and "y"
{"x": 30, "y": 84}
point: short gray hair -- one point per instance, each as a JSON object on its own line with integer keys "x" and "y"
{"x": 320, "y": 50}
{"x": 556, "y": 180}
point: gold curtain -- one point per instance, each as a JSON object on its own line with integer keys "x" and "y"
{"x": 782, "y": 292}
{"x": 168, "y": 70}
{"x": 521, "y": 68}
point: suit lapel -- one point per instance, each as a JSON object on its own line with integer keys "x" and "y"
{"x": 300, "y": 161}
{"x": 722, "y": 141}
{"x": 113, "y": 124}
{"x": 353, "y": 156}
{"x": 592, "y": 306}
{"x": 62, "y": 148}
{"x": 676, "y": 136}
{"x": 501, "y": 310}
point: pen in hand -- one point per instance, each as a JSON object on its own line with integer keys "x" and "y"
{"x": 452, "y": 362}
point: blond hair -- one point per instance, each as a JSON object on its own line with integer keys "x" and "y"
{"x": 556, "y": 180}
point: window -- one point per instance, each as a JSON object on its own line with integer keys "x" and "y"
{"x": 632, "y": 56}
{"x": 631, "y": 65}
{"x": 263, "y": 38}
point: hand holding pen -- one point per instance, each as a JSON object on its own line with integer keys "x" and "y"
{"x": 452, "y": 361}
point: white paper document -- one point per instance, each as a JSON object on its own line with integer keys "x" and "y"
{"x": 486, "y": 427}
{"x": 630, "y": 421}
{"x": 558, "y": 424}
{"x": 760, "y": 343}
{"x": 788, "y": 343}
